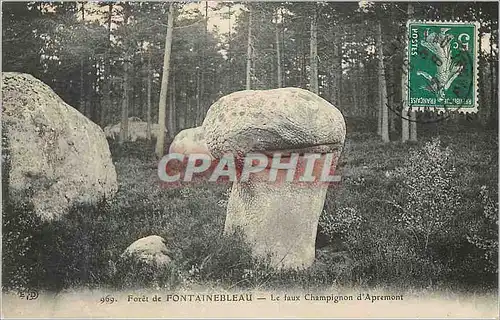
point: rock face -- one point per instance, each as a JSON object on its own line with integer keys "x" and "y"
{"x": 55, "y": 156}
{"x": 189, "y": 141}
{"x": 278, "y": 219}
{"x": 268, "y": 120}
{"x": 151, "y": 250}
{"x": 112, "y": 132}
{"x": 136, "y": 130}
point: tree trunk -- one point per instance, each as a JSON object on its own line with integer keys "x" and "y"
{"x": 190, "y": 119}
{"x": 362, "y": 91}
{"x": 254, "y": 69}
{"x": 413, "y": 114}
{"x": 174, "y": 109}
{"x": 198, "y": 97}
{"x": 229, "y": 51}
{"x": 303, "y": 75}
{"x": 391, "y": 98}
{"x": 148, "y": 88}
{"x": 171, "y": 114}
{"x": 493, "y": 82}
{"x": 82, "y": 90}
{"x": 184, "y": 108}
{"x": 170, "y": 123}
{"x": 379, "y": 108}
{"x": 132, "y": 91}
{"x": 82, "y": 71}
{"x": 106, "y": 108}
{"x": 200, "y": 81}
{"x": 82, "y": 9}
{"x": 337, "y": 67}
{"x": 162, "y": 104}
{"x": 370, "y": 111}
{"x": 201, "y": 111}
{"x": 125, "y": 101}
{"x": 249, "y": 52}
{"x": 355, "y": 88}
{"x": 283, "y": 48}
{"x": 413, "y": 126}
{"x": 482, "y": 111}
{"x": 382, "y": 87}
{"x": 278, "y": 52}
{"x": 405, "y": 124}
{"x": 93, "y": 90}
{"x": 314, "y": 87}
{"x": 338, "y": 43}
{"x": 379, "y": 103}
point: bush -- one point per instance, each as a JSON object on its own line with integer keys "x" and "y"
{"x": 428, "y": 201}
{"x": 55, "y": 255}
{"x": 19, "y": 254}
{"x": 484, "y": 234}
{"x": 408, "y": 225}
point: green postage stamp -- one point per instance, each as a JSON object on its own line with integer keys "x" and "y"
{"x": 442, "y": 69}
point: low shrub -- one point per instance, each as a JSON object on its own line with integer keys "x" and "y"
{"x": 484, "y": 233}
{"x": 413, "y": 225}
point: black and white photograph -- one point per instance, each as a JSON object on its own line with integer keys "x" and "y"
{"x": 253, "y": 159}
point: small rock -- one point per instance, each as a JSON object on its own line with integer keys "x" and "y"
{"x": 151, "y": 250}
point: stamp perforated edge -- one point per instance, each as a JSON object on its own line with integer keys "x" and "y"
{"x": 405, "y": 81}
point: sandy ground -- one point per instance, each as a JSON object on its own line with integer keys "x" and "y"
{"x": 86, "y": 303}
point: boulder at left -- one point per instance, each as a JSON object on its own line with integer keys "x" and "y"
{"x": 53, "y": 155}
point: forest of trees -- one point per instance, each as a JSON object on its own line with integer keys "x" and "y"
{"x": 107, "y": 58}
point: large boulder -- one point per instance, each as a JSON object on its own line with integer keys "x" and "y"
{"x": 53, "y": 155}
{"x": 112, "y": 131}
{"x": 137, "y": 130}
{"x": 279, "y": 218}
{"x": 189, "y": 141}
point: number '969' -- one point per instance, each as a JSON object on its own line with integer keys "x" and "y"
{"x": 108, "y": 299}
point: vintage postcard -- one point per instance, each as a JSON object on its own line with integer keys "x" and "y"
{"x": 220, "y": 159}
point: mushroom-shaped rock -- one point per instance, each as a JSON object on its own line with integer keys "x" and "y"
{"x": 278, "y": 218}
{"x": 55, "y": 156}
{"x": 151, "y": 250}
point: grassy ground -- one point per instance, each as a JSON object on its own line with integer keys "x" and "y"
{"x": 192, "y": 218}
{"x": 360, "y": 243}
